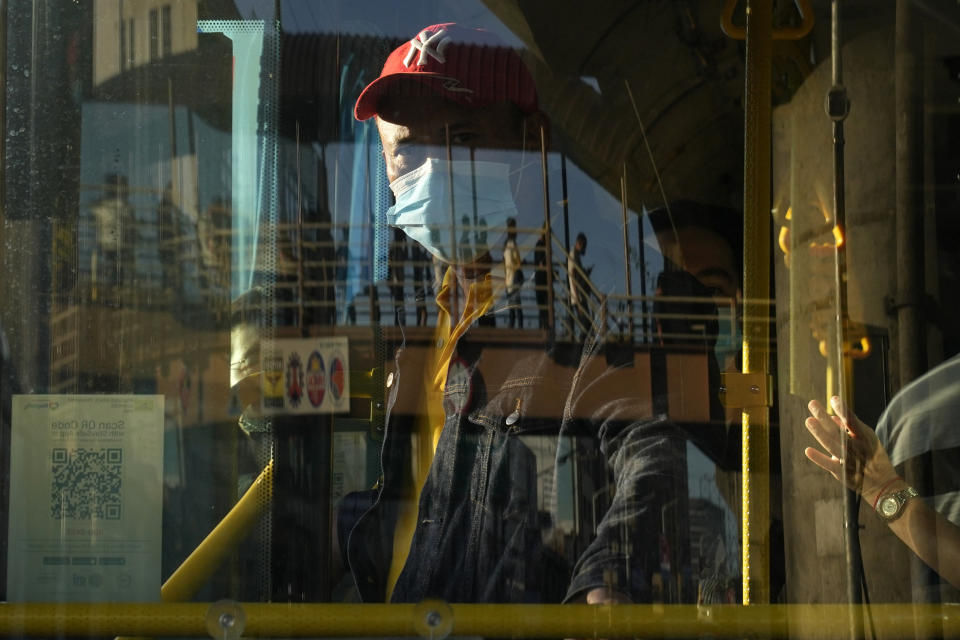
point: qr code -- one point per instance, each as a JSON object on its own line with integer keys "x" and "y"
{"x": 86, "y": 484}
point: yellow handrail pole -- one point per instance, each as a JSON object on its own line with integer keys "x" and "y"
{"x": 755, "y": 462}
{"x": 230, "y": 532}
{"x": 80, "y": 619}
{"x": 281, "y": 620}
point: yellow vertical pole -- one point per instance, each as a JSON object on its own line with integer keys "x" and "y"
{"x": 756, "y": 290}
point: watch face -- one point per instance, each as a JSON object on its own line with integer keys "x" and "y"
{"x": 889, "y": 506}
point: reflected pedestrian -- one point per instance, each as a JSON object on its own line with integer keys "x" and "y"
{"x": 513, "y": 275}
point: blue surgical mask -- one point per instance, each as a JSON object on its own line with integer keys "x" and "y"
{"x": 729, "y": 338}
{"x": 425, "y": 210}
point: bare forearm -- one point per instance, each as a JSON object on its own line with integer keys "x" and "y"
{"x": 932, "y": 537}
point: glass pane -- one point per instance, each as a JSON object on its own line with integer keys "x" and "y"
{"x": 444, "y": 300}
{"x": 863, "y": 305}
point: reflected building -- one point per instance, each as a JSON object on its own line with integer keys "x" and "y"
{"x": 130, "y": 272}
{"x": 132, "y": 34}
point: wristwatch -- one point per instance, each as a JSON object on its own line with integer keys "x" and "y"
{"x": 890, "y": 506}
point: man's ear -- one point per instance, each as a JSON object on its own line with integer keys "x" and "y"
{"x": 533, "y": 124}
{"x": 391, "y": 170}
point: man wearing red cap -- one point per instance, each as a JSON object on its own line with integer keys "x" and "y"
{"x": 460, "y": 510}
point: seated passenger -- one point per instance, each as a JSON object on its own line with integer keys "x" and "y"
{"x": 471, "y": 427}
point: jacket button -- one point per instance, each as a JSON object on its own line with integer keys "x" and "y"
{"x": 389, "y": 379}
{"x": 513, "y": 417}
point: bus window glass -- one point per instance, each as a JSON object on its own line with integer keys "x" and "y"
{"x": 480, "y": 302}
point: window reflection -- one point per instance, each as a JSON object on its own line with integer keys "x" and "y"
{"x": 482, "y": 346}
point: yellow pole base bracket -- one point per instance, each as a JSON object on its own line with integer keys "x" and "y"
{"x": 487, "y": 620}
{"x": 746, "y": 390}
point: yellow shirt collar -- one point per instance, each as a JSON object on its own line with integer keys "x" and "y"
{"x": 480, "y": 297}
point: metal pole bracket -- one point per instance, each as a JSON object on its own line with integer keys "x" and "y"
{"x": 837, "y": 104}
{"x": 740, "y": 33}
{"x": 746, "y": 390}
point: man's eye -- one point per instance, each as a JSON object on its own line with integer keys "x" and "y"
{"x": 463, "y": 137}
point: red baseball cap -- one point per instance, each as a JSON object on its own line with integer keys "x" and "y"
{"x": 469, "y": 66}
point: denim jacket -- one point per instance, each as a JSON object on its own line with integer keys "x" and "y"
{"x": 479, "y": 534}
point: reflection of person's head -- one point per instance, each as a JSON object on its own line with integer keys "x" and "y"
{"x": 458, "y": 95}
{"x": 247, "y": 316}
{"x": 704, "y": 241}
{"x": 701, "y": 250}
{"x": 581, "y": 243}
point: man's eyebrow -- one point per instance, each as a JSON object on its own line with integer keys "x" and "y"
{"x": 405, "y": 138}
{"x": 715, "y": 271}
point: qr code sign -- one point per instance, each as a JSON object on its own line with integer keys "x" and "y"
{"x": 86, "y": 484}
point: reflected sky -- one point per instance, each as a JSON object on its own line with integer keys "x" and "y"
{"x": 384, "y": 18}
